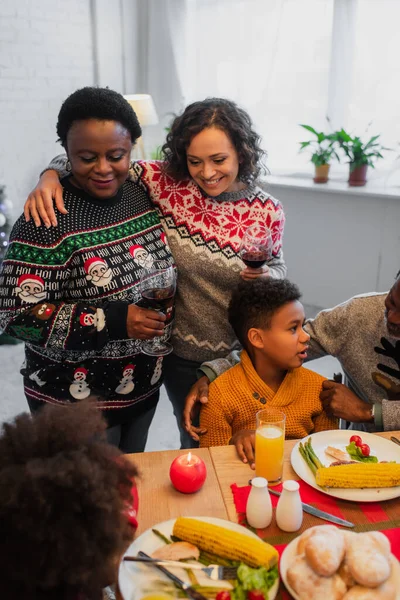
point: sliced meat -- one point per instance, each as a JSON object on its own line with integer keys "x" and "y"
{"x": 177, "y": 551}
{"x": 336, "y": 453}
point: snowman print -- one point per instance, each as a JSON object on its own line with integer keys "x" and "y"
{"x": 126, "y": 384}
{"x": 79, "y": 388}
{"x": 157, "y": 371}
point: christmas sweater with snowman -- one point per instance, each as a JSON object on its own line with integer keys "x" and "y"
{"x": 65, "y": 291}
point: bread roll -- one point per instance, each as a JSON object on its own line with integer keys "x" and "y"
{"x": 345, "y": 574}
{"x": 305, "y": 536}
{"x": 386, "y": 591}
{"x": 324, "y": 551}
{"x": 381, "y": 542}
{"x": 310, "y": 586}
{"x": 369, "y": 566}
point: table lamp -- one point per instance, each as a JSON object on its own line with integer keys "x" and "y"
{"x": 145, "y": 110}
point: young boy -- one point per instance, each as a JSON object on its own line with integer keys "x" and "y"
{"x": 267, "y": 318}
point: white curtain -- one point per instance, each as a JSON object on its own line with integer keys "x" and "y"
{"x": 267, "y": 55}
{"x": 285, "y": 61}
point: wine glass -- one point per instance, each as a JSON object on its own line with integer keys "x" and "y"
{"x": 157, "y": 287}
{"x": 256, "y": 246}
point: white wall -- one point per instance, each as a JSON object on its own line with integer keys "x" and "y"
{"x": 339, "y": 243}
{"x": 46, "y": 52}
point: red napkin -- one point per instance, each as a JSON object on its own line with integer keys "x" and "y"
{"x": 373, "y": 511}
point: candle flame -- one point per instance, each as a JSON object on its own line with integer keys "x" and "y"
{"x": 189, "y": 457}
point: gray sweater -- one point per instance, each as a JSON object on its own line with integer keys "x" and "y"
{"x": 355, "y": 333}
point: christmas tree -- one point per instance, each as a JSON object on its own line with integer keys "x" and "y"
{"x": 5, "y": 229}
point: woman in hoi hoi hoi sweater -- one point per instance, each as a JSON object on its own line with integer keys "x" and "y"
{"x": 207, "y": 195}
{"x": 70, "y": 292}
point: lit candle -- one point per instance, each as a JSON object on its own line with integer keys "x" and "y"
{"x": 188, "y": 473}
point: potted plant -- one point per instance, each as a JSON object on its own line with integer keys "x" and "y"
{"x": 322, "y": 151}
{"x": 360, "y": 155}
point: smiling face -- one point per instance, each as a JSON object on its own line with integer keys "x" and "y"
{"x": 284, "y": 344}
{"x": 213, "y": 162}
{"x": 392, "y": 312}
{"x": 99, "y": 153}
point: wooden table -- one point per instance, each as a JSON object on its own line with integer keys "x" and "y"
{"x": 229, "y": 469}
{"x": 159, "y": 501}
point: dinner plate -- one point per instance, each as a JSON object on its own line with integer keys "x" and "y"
{"x": 290, "y": 552}
{"x": 137, "y": 579}
{"x": 382, "y": 448}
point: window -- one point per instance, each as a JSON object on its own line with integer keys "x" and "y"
{"x": 291, "y": 61}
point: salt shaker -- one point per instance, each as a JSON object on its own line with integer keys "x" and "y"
{"x": 289, "y": 511}
{"x": 259, "y": 507}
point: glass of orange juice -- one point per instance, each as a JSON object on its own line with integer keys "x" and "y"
{"x": 270, "y": 437}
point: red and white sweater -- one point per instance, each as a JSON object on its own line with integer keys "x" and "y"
{"x": 204, "y": 236}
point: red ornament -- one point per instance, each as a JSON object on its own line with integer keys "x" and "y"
{"x": 188, "y": 473}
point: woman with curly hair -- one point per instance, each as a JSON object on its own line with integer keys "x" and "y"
{"x": 64, "y": 497}
{"x": 207, "y": 194}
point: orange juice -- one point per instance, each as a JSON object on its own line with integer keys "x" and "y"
{"x": 269, "y": 453}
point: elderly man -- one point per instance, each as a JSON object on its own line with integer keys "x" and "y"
{"x": 363, "y": 333}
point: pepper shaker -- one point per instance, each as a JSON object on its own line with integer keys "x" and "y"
{"x": 259, "y": 507}
{"x": 289, "y": 511}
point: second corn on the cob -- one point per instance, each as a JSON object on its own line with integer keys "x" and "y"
{"x": 225, "y": 542}
{"x": 370, "y": 475}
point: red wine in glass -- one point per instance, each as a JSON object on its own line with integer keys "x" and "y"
{"x": 157, "y": 288}
{"x": 161, "y": 299}
{"x": 255, "y": 259}
{"x": 256, "y": 246}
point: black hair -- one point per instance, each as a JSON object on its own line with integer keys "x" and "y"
{"x": 222, "y": 114}
{"x": 253, "y": 304}
{"x": 64, "y": 491}
{"x": 398, "y": 275}
{"x": 96, "y": 103}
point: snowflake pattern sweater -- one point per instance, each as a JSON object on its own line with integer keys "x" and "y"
{"x": 236, "y": 396}
{"x": 65, "y": 291}
{"x": 204, "y": 235}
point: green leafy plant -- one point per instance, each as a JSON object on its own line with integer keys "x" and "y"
{"x": 358, "y": 152}
{"x": 322, "y": 147}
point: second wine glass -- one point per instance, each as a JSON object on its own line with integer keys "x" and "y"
{"x": 256, "y": 246}
{"x": 157, "y": 287}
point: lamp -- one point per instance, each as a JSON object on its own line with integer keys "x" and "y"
{"x": 146, "y": 113}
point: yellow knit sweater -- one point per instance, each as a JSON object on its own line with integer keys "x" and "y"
{"x": 236, "y": 396}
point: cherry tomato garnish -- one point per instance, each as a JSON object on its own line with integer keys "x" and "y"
{"x": 255, "y": 595}
{"x": 223, "y": 595}
{"x": 365, "y": 449}
{"x": 356, "y": 439}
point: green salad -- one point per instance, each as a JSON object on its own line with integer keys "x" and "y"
{"x": 253, "y": 580}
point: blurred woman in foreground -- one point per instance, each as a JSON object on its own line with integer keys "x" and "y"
{"x": 65, "y": 495}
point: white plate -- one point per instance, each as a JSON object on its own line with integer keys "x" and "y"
{"x": 137, "y": 579}
{"x": 382, "y": 448}
{"x": 290, "y": 552}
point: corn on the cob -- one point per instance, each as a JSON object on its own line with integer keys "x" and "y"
{"x": 225, "y": 542}
{"x": 361, "y": 475}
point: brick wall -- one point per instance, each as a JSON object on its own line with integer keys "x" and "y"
{"x": 46, "y": 52}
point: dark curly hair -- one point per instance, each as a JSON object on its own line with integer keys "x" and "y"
{"x": 222, "y": 114}
{"x": 96, "y": 103}
{"x": 253, "y": 304}
{"x": 63, "y": 491}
